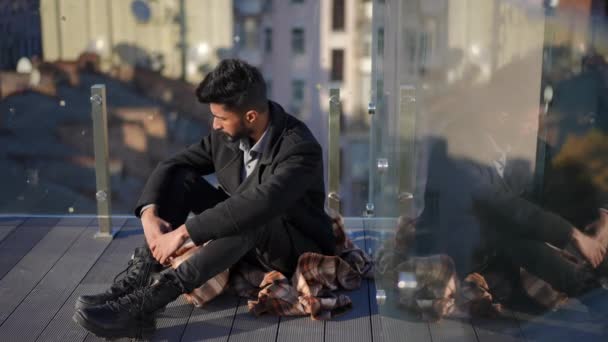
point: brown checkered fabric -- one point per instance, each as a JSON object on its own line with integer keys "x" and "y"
{"x": 424, "y": 285}
{"x": 209, "y": 290}
{"x": 311, "y": 290}
{"x": 474, "y": 297}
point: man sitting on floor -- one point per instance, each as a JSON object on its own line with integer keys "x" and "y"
{"x": 269, "y": 208}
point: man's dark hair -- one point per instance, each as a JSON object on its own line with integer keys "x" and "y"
{"x": 235, "y": 84}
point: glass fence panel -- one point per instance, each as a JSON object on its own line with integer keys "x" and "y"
{"x": 490, "y": 168}
{"x": 151, "y": 55}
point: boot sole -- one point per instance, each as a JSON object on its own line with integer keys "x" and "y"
{"x": 83, "y": 305}
{"x": 137, "y": 331}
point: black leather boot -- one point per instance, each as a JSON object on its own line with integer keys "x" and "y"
{"x": 131, "y": 315}
{"x": 140, "y": 272}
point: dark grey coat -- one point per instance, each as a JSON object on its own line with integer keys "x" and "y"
{"x": 287, "y": 191}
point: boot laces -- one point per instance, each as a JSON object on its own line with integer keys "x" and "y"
{"x": 133, "y": 302}
{"x": 131, "y": 274}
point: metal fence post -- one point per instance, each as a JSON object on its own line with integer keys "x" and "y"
{"x": 369, "y": 206}
{"x": 102, "y": 172}
{"x": 406, "y": 147}
{"x": 334, "y": 150}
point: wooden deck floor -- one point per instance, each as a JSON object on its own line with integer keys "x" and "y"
{"x": 46, "y": 263}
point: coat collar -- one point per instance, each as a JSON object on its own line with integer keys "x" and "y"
{"x": 278, "y": 123}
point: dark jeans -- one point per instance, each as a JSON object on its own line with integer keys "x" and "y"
{"x": 527, "y": 247}
{"x": 517, "y": 231}
{"x": 546, "y": 263}
{"x": 191, "y": 193}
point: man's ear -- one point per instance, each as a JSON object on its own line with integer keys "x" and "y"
{"x": 251, "y": 116}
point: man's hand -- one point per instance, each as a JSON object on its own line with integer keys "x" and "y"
{"x": 591, "y": 249}
{"x": 154, "y": 226}
{"x": 166, "y": 244}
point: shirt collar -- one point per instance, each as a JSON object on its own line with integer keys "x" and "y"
{"x": 259, "y": 145}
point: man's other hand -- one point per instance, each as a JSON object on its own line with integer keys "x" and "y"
{"x": 154, "y": 226}
{"x": 166, "y": 244}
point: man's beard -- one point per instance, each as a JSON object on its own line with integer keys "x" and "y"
{"x": 243, "y": 132}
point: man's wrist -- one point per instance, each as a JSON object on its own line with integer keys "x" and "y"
{"x": 575, "y": 234}
{"x": 182, "y": 231}
{"x": 149, "y": 209}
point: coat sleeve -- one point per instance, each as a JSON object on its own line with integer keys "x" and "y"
{"x": 197, "y": 157}
{"x": 295, "y": 172}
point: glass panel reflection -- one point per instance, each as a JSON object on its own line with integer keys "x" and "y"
{"x": 493, "y": 127}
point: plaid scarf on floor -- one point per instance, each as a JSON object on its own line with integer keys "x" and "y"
{"x": 313, "y": 287}
{"x": 312, "y": 290}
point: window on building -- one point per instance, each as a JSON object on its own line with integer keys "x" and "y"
{"x": 251, "y": 33}
{"x": 379, "y": 92}
{"x": 337, "y": 65}
{"x": 366, "y": 46}
{"x": 297, "y": 92}
{"x": 337, "y": 15}
{"x": 410, "y": 47}
{"x": 424, "y": 48}
{"x": 380, "y": 41}
{"x": 297, "y": 40}
{"x": 268, "y": 6}
{"x": 268, "y": 39}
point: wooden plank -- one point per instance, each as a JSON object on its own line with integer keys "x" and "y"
{"x": 212, "y": 322}
{"x": 32, "y": 316}
{"x": 248, "y": 328}
{"x": 505, "y": 329}
{"x": 300, "y": 329}
{"x": 376, "y": 314}
{"x": 133, "y": 221}
{"x": 116, "y": 222}
{"x": 453, "y": 329}
{"x": 62, "y": 327}
{"x": 389, "y": 322}
{"x": 573, "y": 322}
{"x": 11, "y": 221}
{"x": 355, "y": 324}
{"x": 41, "y": 221}
{"x": 5, "y": 231}
{"x": 75, "y": 221}
{"x": 26, "y": 274}
{"x": 376, "y": 318}
{"x": 397, "y": 324}
{"x": 99, "y": 278}
{"x": 17, "y": 244}
{"x": 171, "y": 324}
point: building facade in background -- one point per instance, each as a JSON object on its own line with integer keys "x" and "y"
{"x": 174, "y": 37}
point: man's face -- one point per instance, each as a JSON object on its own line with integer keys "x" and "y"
{"x": 229, "y": 123}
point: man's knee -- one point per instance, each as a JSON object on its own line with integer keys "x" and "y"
{"x": 187, "y": 192}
